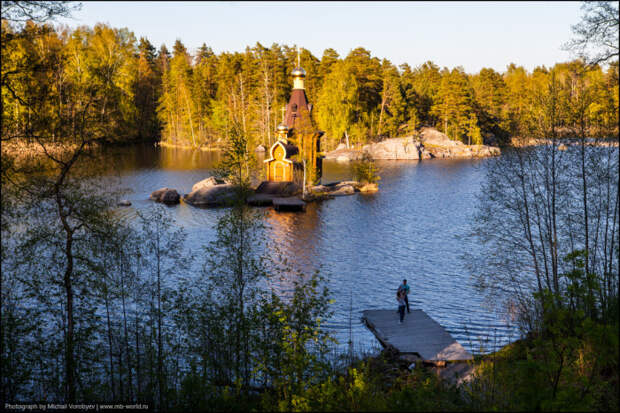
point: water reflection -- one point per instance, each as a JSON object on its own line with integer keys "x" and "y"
{"x": 296, "y": 234}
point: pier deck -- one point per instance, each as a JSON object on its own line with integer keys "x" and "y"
{"x": 418, "y": 334}
{"x": 291, "y": 203}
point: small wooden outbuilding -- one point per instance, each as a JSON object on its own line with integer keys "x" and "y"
{"x": 280, "y": 167}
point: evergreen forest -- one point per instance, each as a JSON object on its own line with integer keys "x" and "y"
{"x": 192, "y": 98}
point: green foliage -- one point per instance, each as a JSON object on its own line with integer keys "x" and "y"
{"x": 490, "y": 99}
{"x": 562, "y": 368}
{"x": 454, "y": 104}
{"x": 473, "y": 131}
{"x": 336, "y": 103}
{"x": 238, "y": 163}
{"x": 69, "y": 78}
{"x": 298, "y": 344}
{"x": 365, "y": 171}
{"x": 393, "y": 111}
{"x": 193, "y": 99}
{"x": 567, "y": 360}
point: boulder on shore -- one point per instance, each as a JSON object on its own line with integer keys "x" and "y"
{"x": 395, "y": 148}
{"x": 441, "y": 146}
{"x": 208, "y": 182}
{"x": 336, "y": 189}
{"x": 124, "y": 202}
{"x": 343, "y": 190}
{"x": 368, "y": 188}
{"x": 210, "y": 192}
{"x": 166, "y": 195}
{"x": 344, "y": 155}
{"x": 431, "y": 136}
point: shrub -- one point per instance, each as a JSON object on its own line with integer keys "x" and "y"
{"x": 365, "y": 171}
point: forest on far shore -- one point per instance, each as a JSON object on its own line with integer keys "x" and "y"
{"x": 193, "y": 99}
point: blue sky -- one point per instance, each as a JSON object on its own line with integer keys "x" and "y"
{"x": 470, "y": 34}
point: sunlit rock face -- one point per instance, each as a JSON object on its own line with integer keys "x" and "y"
{"x": 208, "y": 182}
{"x": 429, "y": 143}
{"x": 336, "y": 189}
{"x": 440, "y": 146}
{"x": 344, "y": 155}
{"x": 211, "y": 191}
{"x": 395, "y": 148}
{"x": 368, "y": 188}
{"x": 166, "y": 195}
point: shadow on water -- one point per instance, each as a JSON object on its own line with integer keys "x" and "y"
{"x": 364, "y": 244}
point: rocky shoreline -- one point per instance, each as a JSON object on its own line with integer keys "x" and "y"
{"x": 563, "y": 143}
{"x": 215, "y": 192}
{"x": 429, "y": 143}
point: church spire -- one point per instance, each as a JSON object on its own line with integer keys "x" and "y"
{"x": 298, "y": 73}
{"x": 282, "y": 130}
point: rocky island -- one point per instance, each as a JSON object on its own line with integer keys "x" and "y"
{"x": 428, "y": 143}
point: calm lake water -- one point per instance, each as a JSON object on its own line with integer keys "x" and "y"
{"x": 363, "y": 244}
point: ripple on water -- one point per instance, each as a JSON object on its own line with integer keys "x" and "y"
{"x": 363, "y": 244}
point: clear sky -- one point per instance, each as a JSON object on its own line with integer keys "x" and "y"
{"x": 468, "y": 34}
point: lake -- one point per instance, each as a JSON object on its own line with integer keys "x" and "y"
{"x": 364, "y": 245}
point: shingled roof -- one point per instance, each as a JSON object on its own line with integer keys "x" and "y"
{"x": 297, "y": 101}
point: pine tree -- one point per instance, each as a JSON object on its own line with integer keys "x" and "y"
{"x": 490, "y": 97}
{"x": 392, "y": 106}
{"x": 204, "y": 92}
{"x": 454, "y": 103}
{"x": 147, "y": 90}
{"x": 336, "y": 104}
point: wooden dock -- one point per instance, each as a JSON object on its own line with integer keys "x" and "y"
{"x": 291, "y": 203}
{"x": 418, "y": 334}
{"x": 260, "y": 200}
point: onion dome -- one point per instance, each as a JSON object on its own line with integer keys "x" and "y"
{"x": 298, "y": 72}
{"x": 282, "y": 128}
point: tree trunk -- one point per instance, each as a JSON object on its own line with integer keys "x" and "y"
{"x": 127, "y": 355}
{"x": 110, "y": 352}
{"x": 70, "y": 393}
{"x": 189, "y": 113}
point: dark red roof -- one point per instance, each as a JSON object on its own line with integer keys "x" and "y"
{"x": 297, "y": 101}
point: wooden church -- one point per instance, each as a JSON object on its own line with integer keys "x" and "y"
{"x": 282, "y": 165}
{"x": 298, "y": 146}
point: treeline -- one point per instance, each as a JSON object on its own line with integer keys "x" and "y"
{"x": 193, "y": 99}
{"x": 71, "y": 77}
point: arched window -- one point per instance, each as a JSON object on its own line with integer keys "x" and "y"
{"x": 294, "y": 107}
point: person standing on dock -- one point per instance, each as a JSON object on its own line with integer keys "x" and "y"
{"x": 405, "y": 288}
{"x": 400, "y": 297}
